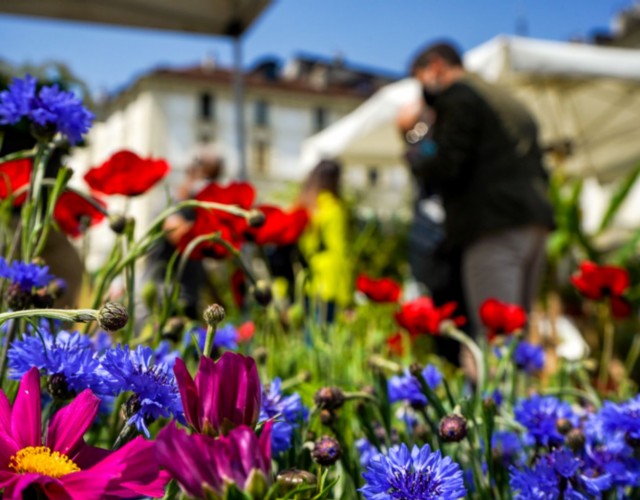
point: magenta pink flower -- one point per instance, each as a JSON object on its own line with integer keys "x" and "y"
{"x": 198, "y": 462}
{"x": 62, "y": 466}
{"x": 225, "y": 393}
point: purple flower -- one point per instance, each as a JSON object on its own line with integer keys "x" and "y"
{"x": 407, "y": 388}
{"x": 539, "y": 415}
{"x": 420, "y": 475}
{"x": 528, "y": 357}
{"x": 203, "y": 465}
{"x": 50, "y": 106}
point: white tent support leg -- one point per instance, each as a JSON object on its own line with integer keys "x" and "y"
{"x": 238, "y": 96}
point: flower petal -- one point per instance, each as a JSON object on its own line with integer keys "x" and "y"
{"x": 70, "y": 423}
{"x": 26, "y": 414}
{"x": 188, "y": 394}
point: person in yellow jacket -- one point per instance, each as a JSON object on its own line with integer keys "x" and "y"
{"x": 325, "y": 242}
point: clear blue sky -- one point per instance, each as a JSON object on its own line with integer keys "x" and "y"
{"x": 377, "y": 33}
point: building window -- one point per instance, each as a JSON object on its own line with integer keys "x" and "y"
{"x": 373, "y": 175}
{"x": 261, "y": 157}
{"x": 261, "y": 113}
{"x": 319, "y": 119}
{"x": 207, "y": 107}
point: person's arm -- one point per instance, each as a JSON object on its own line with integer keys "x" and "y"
{"x": 442, "y": 159}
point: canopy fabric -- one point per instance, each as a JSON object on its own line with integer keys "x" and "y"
{"x": 585, "y": 98}
{"x": 210, "y": 17}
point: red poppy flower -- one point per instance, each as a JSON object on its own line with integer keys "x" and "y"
{"x": 280, "y": 227}
{"x": 241, "y": 194}
{"x": 379, "y": 290}
{"x": 246, "y": 331}
{"x": 598, "y": 282}
{"x": 127, "y": 174}
{"x": 501, "y": 318}
{"x": 207, "y": 222}
{"x": 394, "y": 343}
{"x": 620, "y": 308}
{"x": 74, "y": 214}
{"x": 421, "y": 316}
{"x": 14, "y": 175}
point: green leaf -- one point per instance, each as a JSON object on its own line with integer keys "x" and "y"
{"x": 618, "y": 198}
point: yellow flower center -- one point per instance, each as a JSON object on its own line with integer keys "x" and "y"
{"x": 41, "y": 460}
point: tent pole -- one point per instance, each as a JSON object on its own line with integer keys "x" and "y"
{"x": 238, "y": 95}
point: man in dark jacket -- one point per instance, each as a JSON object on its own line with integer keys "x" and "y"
{"x": 485, "y": 161}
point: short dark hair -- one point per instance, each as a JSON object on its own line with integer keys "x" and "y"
{"x": 446, "y": 51}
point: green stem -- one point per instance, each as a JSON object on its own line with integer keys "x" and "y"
{"x": 72, "y": 315}
{"x": 634, "y": 354}
{"x": 607, "y": 345}
{"x": 450, "y": 330}
{"x": 208, "y": 343}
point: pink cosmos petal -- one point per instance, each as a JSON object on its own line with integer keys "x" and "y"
{"x": 8, "y": 448}
{"x": 208, "y": 387}
{"x": 87, "y": 484}
{"x": 14, "y": 490}
{"x": 154, "y": 489}
{"x": 26, "y": 414}
{"x": 70, "y": 423}
{"x": 7, "y": 478}
{"x": 88, "y": 456}
{"x": 188, "y": 394}
{"x": 5, "y": 411}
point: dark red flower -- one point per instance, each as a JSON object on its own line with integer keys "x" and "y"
{"x": 280, "y": 227}
{"x": 238, "y": 287}
{"x": 127, "y": 174}
{"x": 421, "y": 316}
{"x": 598, "y": 282}
{"x": 14, "y": 175}
{"x": 394, "y": 343}
{"x": 501, "y": 318}
{"x": 379, "y": 290}
{"x": 74, "y": 214}
{"x": 207, "y": 222}
{"x": 620, "y": 308}
{"x": 241, "y": 194}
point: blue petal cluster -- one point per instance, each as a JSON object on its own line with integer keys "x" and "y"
{"x": 50, "y": 106}
{"x": 288, "y": 412}
{"x": 69, "y": 354}
{"x": 407, "y": 387}
{"x": 154, "y": 385}
{"x": 366, "y": 450}
{"x": 507, "y": 447}
{"x": 559, "y": 474}
{"x": 420, "y": 475}
{"x": 226, "y": 337}
{"x": 539, "y": 414}
{"x": 27, "y": 276}
{"x": 528, "y": 357}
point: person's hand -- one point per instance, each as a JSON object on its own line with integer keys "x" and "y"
{"x": 175, "y": 227}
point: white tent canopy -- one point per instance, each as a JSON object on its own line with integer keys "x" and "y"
{"x": 585, "y": 97}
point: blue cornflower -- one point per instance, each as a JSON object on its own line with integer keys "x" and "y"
{"x": 155, "y": 392}
{"x": 288, "y": 411}
{"x": 528, "y": 357}
{"x": 165, "y": 354}
{"x": 50, "y": 106}
{"x": 507, "y": 447}
{"x": 557, "y": 474}
{"x": 623, "y": 418}
{"x": 407, "y": 388}
{"x": 27, "y": 276}
{"x": 226, "y": 337}
{"x": 420, "y": 475}
{"x": 366, "y": 450}
{"x": 68, "y": 354}
{"x": 539, "y": 415}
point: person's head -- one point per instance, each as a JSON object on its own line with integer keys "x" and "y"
{"x": 324, "y": 177}
{"x": 437, "y": 66}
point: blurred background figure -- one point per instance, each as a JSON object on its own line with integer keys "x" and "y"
{"x": 207, "y": 167}
{"x": 324, "y": 244}
{"x": 485, "y": 162}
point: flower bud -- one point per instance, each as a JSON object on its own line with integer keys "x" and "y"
{"x": 262, "y": 293}
{"x": 117, "y": 223}
{"x": 260, "y": 355}
{"x": 57, "y": 288}
{"x": 326, "y": 451}
{"x": 112, "y": 317}
{"x": 291, "y": 479}
{"x": 58, "y": 387}
{"x": 131, "y": 406}
{"x": 213, "y": 315}
{"x": 17, "y": 298}
{"x": 256, "y": 218}
{"x": 575, "y": 439}
{"x": 330, "y": 398}
{"x": 563, "y": 425}
{"x": 422, "y": 432}
{"x": 415, "y": 369}
{"x": 453, "y": 428}
{"x": 42, "y": 299}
